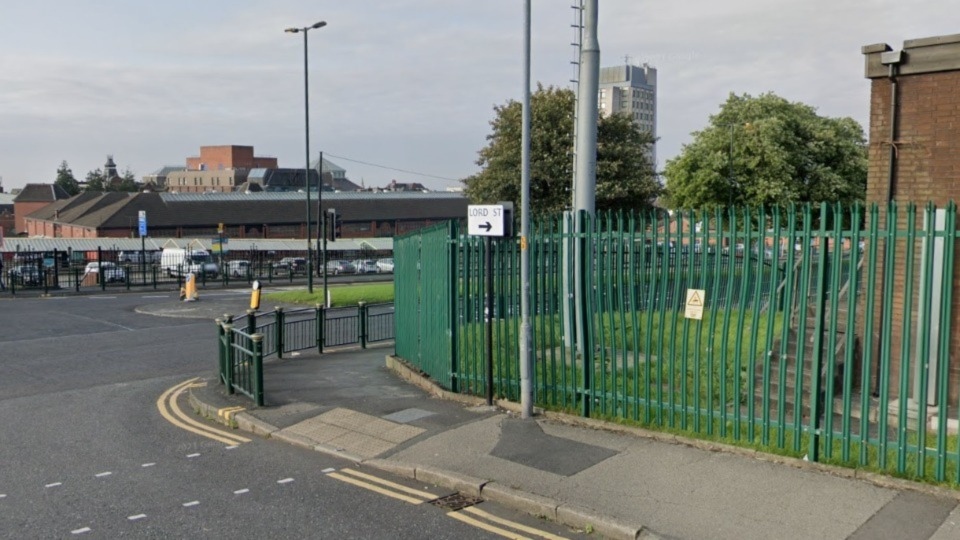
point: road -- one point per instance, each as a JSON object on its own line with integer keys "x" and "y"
{"x": 87, "y": 452}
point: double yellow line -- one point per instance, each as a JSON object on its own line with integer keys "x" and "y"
{"x": 169, "y": 409}
{"x": 476, "y": 518}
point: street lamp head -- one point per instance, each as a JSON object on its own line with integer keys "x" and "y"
{"x": 320, "y": 24}
{"x": 292, "y": 30}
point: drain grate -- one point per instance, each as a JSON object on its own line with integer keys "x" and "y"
{"x": 456, "y": 501}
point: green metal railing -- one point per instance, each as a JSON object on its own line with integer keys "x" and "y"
{"x": 241, "y": 350}
{"x": 825, "y": 330}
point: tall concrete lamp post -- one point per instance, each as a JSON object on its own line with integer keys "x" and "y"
{"x": 306, "y": 122}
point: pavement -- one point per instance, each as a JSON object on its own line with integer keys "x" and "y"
{"x": 614, "y": 481}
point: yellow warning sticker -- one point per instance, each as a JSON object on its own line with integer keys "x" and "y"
{"x": 695, "y": 301}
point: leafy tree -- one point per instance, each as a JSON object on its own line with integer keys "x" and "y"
{"x": 96, "y": 181}
{"x": 128, "y": 182}
{"x": 625, "y": 176}
{"x": 767, "y": 150}
{"x": 66, "y": 180}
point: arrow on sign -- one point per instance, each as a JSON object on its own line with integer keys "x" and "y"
{"x": 486, "y": 226}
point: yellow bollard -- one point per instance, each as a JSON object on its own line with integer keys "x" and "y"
{"x": 190, "y": 286}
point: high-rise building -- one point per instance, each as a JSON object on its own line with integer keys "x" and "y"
{"x": 631, "y": 90}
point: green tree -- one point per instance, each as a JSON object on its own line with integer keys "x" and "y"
{"x": 95, "y": 181}
{"x": 767, "y": 150}
{"x": 625, "y": 176}
{"x": 66, "y": 180}
{"x": 128, "y": 182}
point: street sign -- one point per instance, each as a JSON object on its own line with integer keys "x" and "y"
{"x": 219, "y": 244}
{"x": 142, "y": 222}
{"x": 485, "y": 220}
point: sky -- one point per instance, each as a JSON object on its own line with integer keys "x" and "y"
{"x": 398, "y": 90}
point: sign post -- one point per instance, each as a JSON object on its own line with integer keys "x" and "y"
{"x": 142, "y": 226}
{"x": 489, "y": 221}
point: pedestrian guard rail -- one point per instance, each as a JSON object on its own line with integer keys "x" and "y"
{"x": 245, "y": 340}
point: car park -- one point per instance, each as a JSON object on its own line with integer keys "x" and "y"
{"x": 238, "y": 268}
{"x": 337, "y": 267}
{"x": 365, "y": 266}
{"x": 135, "y": 257}
{"x": 26, "y": 275}
{"x": 297, "y": 265}
{"x": 281, "y": 268}
{"x": 385, "y": 265}
{"x": 108, "y": 271}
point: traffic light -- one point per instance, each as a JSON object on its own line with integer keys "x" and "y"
{"x": 336, "y": 224}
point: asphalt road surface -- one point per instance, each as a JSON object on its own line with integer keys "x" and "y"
{"x": 85, "y": 450}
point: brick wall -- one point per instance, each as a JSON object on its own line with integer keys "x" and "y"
{"x": 926, "y": 169}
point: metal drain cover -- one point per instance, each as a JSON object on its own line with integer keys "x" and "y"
{"x": 456, "y": 501}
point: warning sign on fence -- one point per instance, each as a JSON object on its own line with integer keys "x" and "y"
{"x": 696, "y": 298}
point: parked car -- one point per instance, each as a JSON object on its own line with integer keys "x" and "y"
{"x": 385, "y": 265}
{"x": 336, "y": 267}
{"x": 148, "y": 257}
{"x": 238, "y": 268}
{"x": 108, "y": 271}
{"x": 280, "y": 268}
{"x": 297, "y": 265}
{"x": 366, "y": 266}
{"x": 26, "y": 275}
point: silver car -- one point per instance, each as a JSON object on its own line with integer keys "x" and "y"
{"x": 337, "y": 267}
{"x": 365, "y": 266}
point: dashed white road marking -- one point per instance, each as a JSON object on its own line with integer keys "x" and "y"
{"x": 285, "y": 481}
{"x": 148, "y": 465}
{"x": 136, "y": 517}
{"x": 231, "y": 447}
{"x": 241, "y": 491}
{"x": 3, "y": 495}
{"x": 55, "y": 484}
{"x": 80, "y": 531}
{"x": 191, "y": 503}
{"x": 103, "y": 474}
{"x": 328, "y": 470}
{"x": 156, "y": 296}
{"x": 193, "y": 455}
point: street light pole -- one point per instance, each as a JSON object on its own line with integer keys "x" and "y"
{"x": 306, "y": 122}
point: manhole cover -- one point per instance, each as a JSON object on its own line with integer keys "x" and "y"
{"x": 455, "y": 502}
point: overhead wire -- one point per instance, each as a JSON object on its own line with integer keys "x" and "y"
{"x": 427, "y": 175}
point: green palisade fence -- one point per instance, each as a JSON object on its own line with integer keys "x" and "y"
{"x": 826, "y": 330}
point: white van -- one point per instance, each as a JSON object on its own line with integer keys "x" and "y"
{"x": 180, "y": 262}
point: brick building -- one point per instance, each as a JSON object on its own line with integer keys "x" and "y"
{"x": 914, "y": 156}
{"x": 218, "y": 169}
{"x": 244, "y": 215}
{"x": 33, "y": 197}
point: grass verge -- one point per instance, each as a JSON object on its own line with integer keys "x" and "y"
{"x": 340, "y": 296}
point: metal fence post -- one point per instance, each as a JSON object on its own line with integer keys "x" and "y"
{"x": 154, "y": 270}
{"x": 363, "y": 324}
{"x": 103, "y": 282}
{"x": 279, "y": 331}
{"x": 251, "y": 321}
{"x": 221, "y": 367}
{"x": 257, "y": 340}
{"x": 321, "y": 325}
{"x": 76, "y": 279}
{"x": 228, "y": 355}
